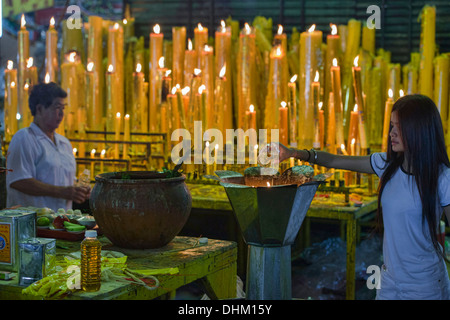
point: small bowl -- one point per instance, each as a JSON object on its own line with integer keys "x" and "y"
{"x": 87, "y": 222}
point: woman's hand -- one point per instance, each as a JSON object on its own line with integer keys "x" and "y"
{"x": 285, "y": 152}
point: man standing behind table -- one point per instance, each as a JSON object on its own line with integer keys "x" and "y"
{"x": 41, "y": 163}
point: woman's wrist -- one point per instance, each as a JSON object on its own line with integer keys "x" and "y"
{"x": 303, "y": 155}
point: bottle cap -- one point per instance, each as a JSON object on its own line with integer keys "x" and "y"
{"x": 90, "y": 234}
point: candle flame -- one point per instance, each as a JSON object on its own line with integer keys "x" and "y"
{"x": 390, "y": 93}
{"x": 178, "y": 86}
{"x": 116, "y": 26}
{"x": 216, "y": 146}
{"x": 90, "y": 66}
{"x": 355, "y": 61}
{"x": 189, "y": 44}
{"x": 72, "y": 56}
{"x": 174, "y": 90}
{"x": 223, "y": 71}
{"x": 280, "y": 30}
{"x": 200, "y": 27}
{"x": 103, "y": 152}
{"x": 110, "y": 68}
{"x": 294, "y": 78}
{"x": 402, "y": 93}
{"x": 13, "y": 84}
{"x": 201, "y": 89}
{"x": 268, "y": 183}
{"x": 10, "y": 65}
{"x": 355, "y": 108}
{"x": 30, "y": 62}
{"x": 353, "y": 141}
{"x": 118, "y": 115}
{"x": 125, "y": 21}
{"x": 197, "y": 71}
{"x": 18, "y": 116}
{"x": 74, "y": 150}
{"x": 335, "y": 62}
{"x": 207, "y": 144}
{"x": 283, "y": 104}
{"x": 223, "y": 26}
{"x": 52, "y": 22}
{"x": 251, "y": 108}
{"x": 342, "y": 147}
{"x": 22, "y": 22}
{"x": 208, "y": 48}
{"x": 138, "y": 67}
{"x": 156, "y": 29}
{"x": 26, "y": 86}
{"x": 316, "y": 78}
{"x": 47, "y": 78}
{"x": 93, "y": 151}
{"x": 127, "y": 116}
{"x": 313, "y": 27}
{"x": 278, "y": 52}
{"x": 161, "y": 62}
{"x": 256, "y": 147}
{"x": 320, "y": 105}
{"x": 168, "y": 72}
{"x": 247, "y": 28}
{"x": 333, "y": 29}
{"x": 185, "y": 90}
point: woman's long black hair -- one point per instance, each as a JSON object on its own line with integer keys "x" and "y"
{"x": 423, "y": 138}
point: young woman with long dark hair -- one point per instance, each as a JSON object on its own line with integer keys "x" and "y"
{"x": 414, "y": 191}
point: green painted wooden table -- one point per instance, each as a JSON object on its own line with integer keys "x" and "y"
{"x": 213, "y": 197}
{"x": 212, "y": 264}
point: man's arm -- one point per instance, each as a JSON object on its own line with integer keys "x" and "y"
{"x": 35, "y": 187}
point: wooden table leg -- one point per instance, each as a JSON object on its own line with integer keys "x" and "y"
{"x": 221, "y": 284}
{"x": 351, "y": 252}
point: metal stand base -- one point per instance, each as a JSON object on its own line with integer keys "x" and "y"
{"x": 269, "y": 273}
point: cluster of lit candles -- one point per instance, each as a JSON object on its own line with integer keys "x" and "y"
{"x": 309, "y": 103}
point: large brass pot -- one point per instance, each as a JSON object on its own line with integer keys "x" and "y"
{"x": 140, "y": 209}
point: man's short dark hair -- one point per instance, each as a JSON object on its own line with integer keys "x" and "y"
{"x": 44, "y": 94}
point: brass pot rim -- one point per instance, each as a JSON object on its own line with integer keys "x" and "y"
{"x": 149, "y": 177}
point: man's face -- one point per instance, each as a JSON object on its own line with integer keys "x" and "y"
{"x": 54, "y": 114}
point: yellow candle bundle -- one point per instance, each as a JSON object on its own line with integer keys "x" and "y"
{"x": 96, "y": 109}
{"x": 310, "y": 54}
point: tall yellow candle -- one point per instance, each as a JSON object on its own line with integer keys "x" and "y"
{"x": 11, "y": 95}
{"x": 116, "y": 58}
{"x": 23, "y": 53}
{"x": 223, "y": 53}
{"x": 246, "y": 73}
{"x": 126, "y": 135}
{"x": 276, "y": 90}
{"x": 292, "y": 106}
{"x": 117, "y": 125}
{"x": 321, "y": 126}
{"x": 200, "y": 40}
{"x": 441, "y": 77}
{"x": 139, "y": 122}
{"x": 51, "y": 51}
{"x": 31, "y": 74}
{"x": 337, "y": 103}
{"x": 111, "y": 100}
{"x": 387, "y": 120}
{"x": 310, "y": 53}
{"x": 283, "y": 125}
{"x": 353, "y": 126}
{"x": 94, "y": 106}
{"x": 190, "y": 64}
{"x": 207, "y": 66}
{"x": 251, "y": 116}
{"x": 102, "y": 156}
{"x": 331, "y": 126}
{"x": 357, "y": 86}
{"x": 156, "y": 52}
{"x": 427, "y": 49}
{"x": 179, "y": 44}
{"x": 333, "y": 52}
{"x": 93, "y": 151}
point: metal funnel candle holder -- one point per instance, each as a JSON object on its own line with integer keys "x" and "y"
{"x": 269, "y": 218}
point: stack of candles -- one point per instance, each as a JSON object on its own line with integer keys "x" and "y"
{"x": 222, "y": 84}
